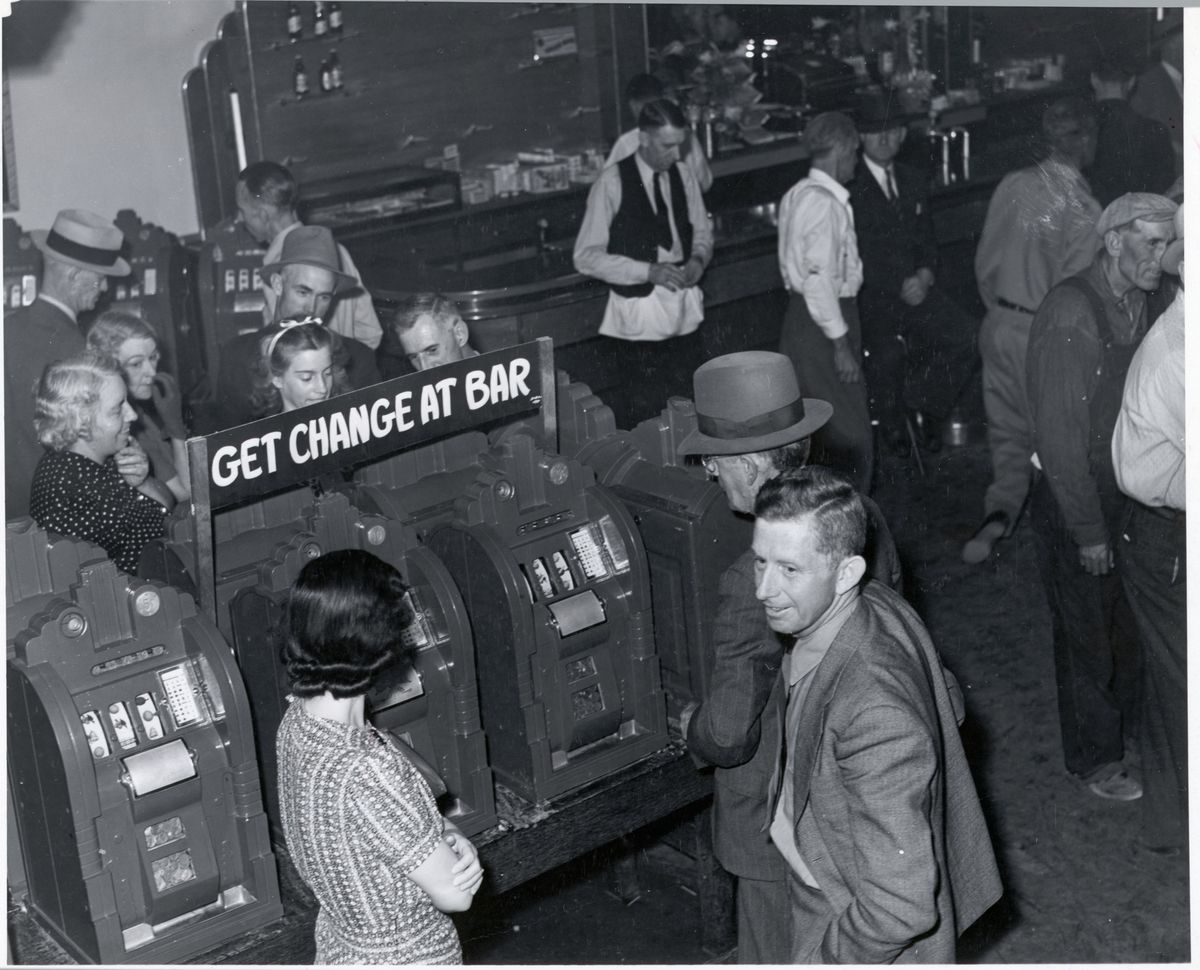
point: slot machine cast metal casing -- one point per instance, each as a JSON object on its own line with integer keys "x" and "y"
{"x": 554, "y": 577}
{"x": 136, "y": 786}
{"x": 690, "y": 534}
{"x": 431, "y": 710}
{"x": 260, "y": 549}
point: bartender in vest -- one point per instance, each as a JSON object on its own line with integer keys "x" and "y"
{"x": 647, "y": 235}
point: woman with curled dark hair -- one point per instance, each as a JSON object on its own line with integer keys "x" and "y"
{"x": 360, "y": 822}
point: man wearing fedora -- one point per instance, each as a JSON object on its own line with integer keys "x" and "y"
{"x": 267, "y": 196}
{"x": 80, "y": 252}
{"x": 753, "y": 425}
{"x": 1148, "y": 448}
{"x": 918, "y": 344}
{"x": 305, "y": 280}
{"x": 820, "y": 265}
{"x": 1080, "y": 347}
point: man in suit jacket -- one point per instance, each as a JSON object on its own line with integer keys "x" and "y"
{"x": 752, "y": 425}
{"x": 80, "y": 251}
{"x": 1159, "y": 92}
{"x": 1133, "y": 153}
{"x": 919, "y": 345}
{"x": 876, "y": 815}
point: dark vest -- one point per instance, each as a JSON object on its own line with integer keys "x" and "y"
{"x": 632, "y": 232}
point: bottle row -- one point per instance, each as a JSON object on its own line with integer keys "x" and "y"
{"x": 329, "y": 76}
{"x": 327, "y": 19}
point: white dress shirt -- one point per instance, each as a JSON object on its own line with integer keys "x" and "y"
{"x": 818, "y": 251}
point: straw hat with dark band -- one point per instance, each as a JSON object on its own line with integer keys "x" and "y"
{"x": 84, "y": 239}
{"x": 750, "y": 401}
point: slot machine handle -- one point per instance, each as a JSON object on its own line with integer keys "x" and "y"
{"x": 428, "y": 772}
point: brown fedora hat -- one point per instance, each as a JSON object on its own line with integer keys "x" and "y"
{"x": 84, "y": 239}
{"x": 750, "y": 401}
{"x": 312, "y": 246}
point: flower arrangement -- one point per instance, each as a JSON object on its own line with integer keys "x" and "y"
{"x": 720, "y": 84}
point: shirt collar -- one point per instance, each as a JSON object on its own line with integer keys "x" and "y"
{"x": 1174, "y": 74}
{"x": 812, "y": 645}
{"x": 879, "y": 171}
{"x": 840, "y": 192}
{"x": 58, "y": 303}
{"x": 644, "y": 170}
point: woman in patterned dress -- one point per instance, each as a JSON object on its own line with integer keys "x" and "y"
{"x": 93, "y": 480}
{"x": 360, "y": 822}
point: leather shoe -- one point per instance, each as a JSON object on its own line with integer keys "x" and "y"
{"x": 994, "y": 528}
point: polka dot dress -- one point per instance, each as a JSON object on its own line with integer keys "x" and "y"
{"x": 77, "y": 497}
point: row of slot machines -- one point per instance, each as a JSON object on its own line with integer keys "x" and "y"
{"x": 557, "y": 588}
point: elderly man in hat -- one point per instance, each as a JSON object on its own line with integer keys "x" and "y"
{"x": 267, "y": 195}
{"x": 818, "y": 258}
{"x": 918, "y": 345}
{"x": 80, "y": 252}
{"x": 753, "y": 425}
{"x": 1039, "y": 229}
{"x": 1148, "y": 458}
{"x": 1080, "y": 346}
{"x": 305, "y": 279}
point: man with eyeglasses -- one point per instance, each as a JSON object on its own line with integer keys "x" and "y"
{"x": 753, "y": 425}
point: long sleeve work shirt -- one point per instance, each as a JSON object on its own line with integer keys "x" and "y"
{"x": 818, "y": 251}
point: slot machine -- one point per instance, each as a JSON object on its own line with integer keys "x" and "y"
{"x": 419, "y": 486}
{"x": 160, "y": 290}
{"x": 689, "y": 532}
{"x": 134, "y": 779}
{"x": 22, "y": 267}
{"x": 434, "y": 711}
{"x": 229, "y": 294}
{"x": 555, "y": 581}
{"x": 38, "y": 566}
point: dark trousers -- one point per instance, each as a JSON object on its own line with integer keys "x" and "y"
{"x": 915, "y": 358}
{"x": 1096, "y": 652}
{"x": 1152, "y": 556}
{"x": 764, "y": 921}
{"x": 650, "y": 371}
{"x": 845, "y": 443}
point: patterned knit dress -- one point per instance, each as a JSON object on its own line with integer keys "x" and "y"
{"x": 358, "y": 818}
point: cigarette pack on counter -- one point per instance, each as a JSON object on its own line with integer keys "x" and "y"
{"x": 477, "y": 187}
{"x": 545, "y": 178}
{"x": 504, "y": 178}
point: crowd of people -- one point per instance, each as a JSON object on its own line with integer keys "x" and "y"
{"x": 843, "y": 802}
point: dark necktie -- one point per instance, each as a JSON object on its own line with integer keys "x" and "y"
{"x": 662, "y": 220}
{"x": 892, "y": 194}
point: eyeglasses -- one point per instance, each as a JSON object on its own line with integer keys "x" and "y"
{"x": 710, "y": 465}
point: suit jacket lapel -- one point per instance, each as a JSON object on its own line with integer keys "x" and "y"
{"x": 807, "y": 741}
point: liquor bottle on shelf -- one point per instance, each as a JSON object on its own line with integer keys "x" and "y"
{"x": 335, "y": 18}
{"x": 326, "y": 77}
{"x": 295, "y": 25}
{"x": 299, "y": 79}
{"x": 320, "y": 19}
{"x": 335, "y": 71}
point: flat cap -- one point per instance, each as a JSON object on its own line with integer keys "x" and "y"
{"x": 1135, "y": 205}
